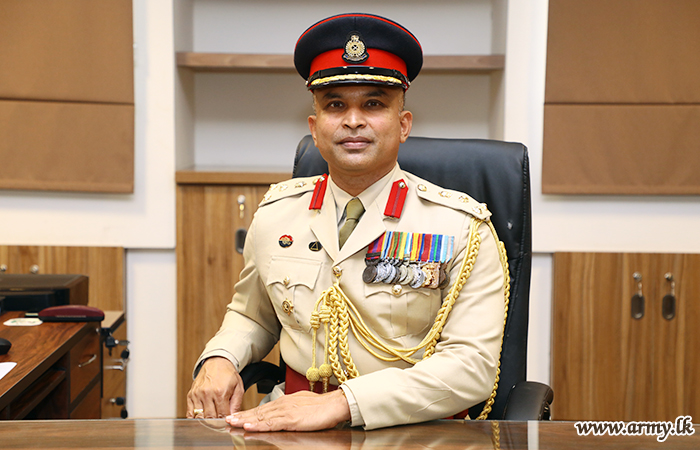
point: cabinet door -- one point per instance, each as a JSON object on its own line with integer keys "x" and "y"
{"x": 607, "y": 365}
{"x": 596, "y": 347}
{"x": 677, "y": 341}
{"x": 208, "y": 266}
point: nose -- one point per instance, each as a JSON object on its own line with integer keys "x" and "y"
{"x": 354, "y": 118}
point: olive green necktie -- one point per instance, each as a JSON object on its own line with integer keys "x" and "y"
{"x": 353, "y": 212}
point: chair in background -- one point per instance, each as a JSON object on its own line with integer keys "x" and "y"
{"x": 495, "y": 173}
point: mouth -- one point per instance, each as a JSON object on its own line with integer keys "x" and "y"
{"x": 355, "y": 142}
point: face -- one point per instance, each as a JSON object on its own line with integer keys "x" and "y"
{"x": 358, "y": 129}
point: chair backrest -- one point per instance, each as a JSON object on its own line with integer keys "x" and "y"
{"x": 493, "y": 172}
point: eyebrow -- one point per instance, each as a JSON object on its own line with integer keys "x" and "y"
{"x": 374, "y": 93}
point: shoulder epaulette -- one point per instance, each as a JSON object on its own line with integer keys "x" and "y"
{"x": 289, "y": 188}
{"x": 453, "y": 199}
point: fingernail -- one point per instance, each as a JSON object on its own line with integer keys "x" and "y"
{"x": 231, "y": 419}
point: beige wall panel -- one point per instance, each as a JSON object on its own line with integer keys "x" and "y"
{"x": 66, "y": 146}
{"x": 78, "y": 50}
{"x": 623, "y": 51}
{"x": 625, "y": 149}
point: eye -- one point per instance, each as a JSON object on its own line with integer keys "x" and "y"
{"x": 335, "y": 104}
{"x": 374, "y": 104}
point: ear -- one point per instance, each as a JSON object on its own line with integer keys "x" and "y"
{"x": 312, "y": 127}
{"x": 406, "y": 123}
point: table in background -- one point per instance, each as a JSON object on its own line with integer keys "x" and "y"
{"x": 182, "y": 434}
{"x": 58, "y": 372}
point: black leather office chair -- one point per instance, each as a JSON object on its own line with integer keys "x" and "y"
{"x": 495, "y": 173}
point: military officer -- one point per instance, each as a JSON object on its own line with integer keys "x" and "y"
{"x": 369, "y": 277}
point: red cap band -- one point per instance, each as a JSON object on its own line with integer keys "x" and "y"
{"x": 377, "y": 58}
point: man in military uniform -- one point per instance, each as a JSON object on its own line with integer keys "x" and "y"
{"x": 369, "y": 277}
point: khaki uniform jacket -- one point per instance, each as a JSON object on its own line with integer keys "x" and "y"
{"x": 462, "y": 371}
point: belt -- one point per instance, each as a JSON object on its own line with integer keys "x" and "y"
{"x": 295, "y": 382}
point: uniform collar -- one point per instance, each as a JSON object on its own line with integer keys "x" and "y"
{"x": 367, "y": 197}
{"x": 372, "y": 224}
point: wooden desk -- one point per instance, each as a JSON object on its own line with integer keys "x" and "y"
{"x": 58, "y": 372}
{"x": 182, "y": 434}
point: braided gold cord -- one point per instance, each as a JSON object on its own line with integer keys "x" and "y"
{"x": 506, "y": 293}
{"x": 338, "y": 314}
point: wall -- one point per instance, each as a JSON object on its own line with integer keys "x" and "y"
{"x": 144, "y": 222}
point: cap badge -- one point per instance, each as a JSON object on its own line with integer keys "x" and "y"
{"x": 355, "y": 49}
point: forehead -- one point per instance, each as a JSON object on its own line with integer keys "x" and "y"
{"x": 359, "y": 91}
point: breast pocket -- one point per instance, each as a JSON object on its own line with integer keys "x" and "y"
{"x": 394, "y": 313}
{"x": 291, "y": 283}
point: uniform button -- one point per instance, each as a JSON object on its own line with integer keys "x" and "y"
{"x": 422, "y": 188}
{"x": 337, "y": 271}
{"x": 287, "y": 307}
{"x": 396, "y": 290}
{"x": 286, "y": 281}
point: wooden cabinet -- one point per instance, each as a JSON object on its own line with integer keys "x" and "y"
{"x": 608, "y": 365}
{"x": 104, "y": 266}
{"x": 213, "y": 208}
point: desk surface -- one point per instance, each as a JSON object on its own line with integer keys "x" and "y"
{"x": 35, "y": 349}
{"x": 181, "y": 434}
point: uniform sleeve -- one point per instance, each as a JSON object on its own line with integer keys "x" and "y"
{"x": 462, "y": 371}
{"x": 250, "y": 327}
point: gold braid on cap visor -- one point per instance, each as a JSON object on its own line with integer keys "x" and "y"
{"x": 357, "y": 77}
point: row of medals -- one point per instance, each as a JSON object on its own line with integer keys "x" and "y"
{"x": 417, "y": 274}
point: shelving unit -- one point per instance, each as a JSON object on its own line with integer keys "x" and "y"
{"x": 243, "y": 62}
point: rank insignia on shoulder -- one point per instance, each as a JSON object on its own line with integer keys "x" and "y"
{"x": 415, "y": 259}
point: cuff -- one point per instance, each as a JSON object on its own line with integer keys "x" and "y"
{"x": 356, "y": 419}
{"x": 219, "y": 352}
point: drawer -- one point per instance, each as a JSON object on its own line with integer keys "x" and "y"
{"x": 89, "y": 406}
{"x": 85, "y": 363}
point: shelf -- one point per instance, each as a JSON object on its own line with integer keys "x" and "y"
{"x": 243, "y": 62}
{"x": 223, "y": 175}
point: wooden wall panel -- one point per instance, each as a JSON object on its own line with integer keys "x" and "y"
{"x": 103, "y": 265}
{"x": 208, "y": 267}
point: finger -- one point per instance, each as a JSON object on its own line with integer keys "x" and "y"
{"x": 209, "y": 408}
{"x": 190, "y": 406}
{"x": 221, "y": 404}
{"x": 236, "y": 399}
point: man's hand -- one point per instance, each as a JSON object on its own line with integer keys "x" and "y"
{"x": 217, "y": 390}
{"x": 301, "y": 411}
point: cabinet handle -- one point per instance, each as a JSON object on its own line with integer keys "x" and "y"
{"x": 89, "y": 361}
{"x": 240, "y": 239}
{"x": 3, "y": 268}
{"x": 668, "y": 304}
{"x": 34, "y": 269}
{"x": 241, "y": 206}
{"x": 121, "y": 366}
{"x": 637, "y": 307}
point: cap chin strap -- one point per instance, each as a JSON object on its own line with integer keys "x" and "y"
{"x": 338, "y": 314}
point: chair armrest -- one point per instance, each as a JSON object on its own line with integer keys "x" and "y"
{"x": 529, "y": 400}
{"x": 266, "y": 375}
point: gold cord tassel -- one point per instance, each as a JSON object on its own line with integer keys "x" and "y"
{"x": 338, "y": 314}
